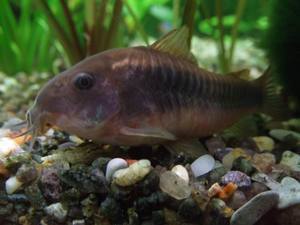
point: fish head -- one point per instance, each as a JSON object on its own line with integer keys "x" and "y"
{"x": 79, "y": 100}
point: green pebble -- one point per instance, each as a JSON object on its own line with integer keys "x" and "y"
{"x": 189, "y": 210}
{"x": 243, "y": 165}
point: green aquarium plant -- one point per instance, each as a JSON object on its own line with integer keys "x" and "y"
{"x": 227, "y": 21}
{"x": 26, "y": 41}
{"x": 83, "y": 32}
{"x": 97, "y": 27}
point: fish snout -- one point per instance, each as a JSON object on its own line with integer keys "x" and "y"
{"x": 37, "y": 120}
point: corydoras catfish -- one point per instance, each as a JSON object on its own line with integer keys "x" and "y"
{"x": 146, "y": 95}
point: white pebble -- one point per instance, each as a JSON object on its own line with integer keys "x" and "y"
{"x": 134, "y": 173}
{"x": 12, "y": 184}
{"x": 174, "y": 185}
{"x": 57, "y": 211}
{"x": 114, "y": 165}
{"x": 78, "y": 222}
{"x": 181, "y": 172}
{"x": 75, "y": 139}
{"x": 202, "y": 165}
{"x": 7, "y": 146}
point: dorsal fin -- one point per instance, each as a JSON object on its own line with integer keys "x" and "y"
{"x": 176, "y": 43}
{"x": 243, "y": 74}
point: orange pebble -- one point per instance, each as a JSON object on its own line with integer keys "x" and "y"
{"x": 227, "y": 191}
{"x": 3, "y": 170}
{"x": 22, "y": 139}
{"x": 130, "y": 161}
{"x": 214, "y": 190}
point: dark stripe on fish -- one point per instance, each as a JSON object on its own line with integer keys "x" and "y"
{"x": 170, "y": 84}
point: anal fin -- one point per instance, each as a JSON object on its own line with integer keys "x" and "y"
{"x": 245, "y": 127}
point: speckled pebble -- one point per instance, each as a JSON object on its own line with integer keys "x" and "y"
{"x": 57, "y": 211}
{"x": 174, "y": 185}
{"x": 291, "y": 160}
{"x": 27, "y": 173}
{"x": 263, "y": 162}
{"x": 234, "y": 154}
{"x": 35, "y": 196}
{"x": 189, "y": 210}
{"x": 111, "y": 209}
{"x": 289, "y": 192}
{"x": 50, "y": 184}
{"x": 237, "y": 177}
{"x": 243, "y": 165}
{"x": 221, "y": 208}
{"x": 215, "y": 144}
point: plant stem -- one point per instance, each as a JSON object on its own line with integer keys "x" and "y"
{"x": 239, "y": 11}
{"x": 98, "y": 36}
{"x": 90, "y": 19}
{"x": 206, "y": 15}
{"x": 223, "y": 59}
{"x": 72, "y": 28}
{"x": 188, "y": 17}
{"x": 176, "y": 10}
{"x": 60, "y": 32}
{"x": 137, "y": 23}
{"x": 116, "y": 16}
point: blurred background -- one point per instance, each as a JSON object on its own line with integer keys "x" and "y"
{"x": 40, "y": 38}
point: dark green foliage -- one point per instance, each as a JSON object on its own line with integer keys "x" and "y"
{"x": 83, "y": 39}
{"x": 26, "y": 42}
{"x": 282, "y": 42}
{"x": 44, "y": 35}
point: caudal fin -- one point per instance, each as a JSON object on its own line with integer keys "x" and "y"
{"x": 273, "y": 103}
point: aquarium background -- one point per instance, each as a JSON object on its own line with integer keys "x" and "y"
{"x": 241, "y": 176}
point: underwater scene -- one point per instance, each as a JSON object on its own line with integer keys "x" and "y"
{"x": 149, "y": 112}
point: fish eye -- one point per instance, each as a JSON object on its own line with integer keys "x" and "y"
{"x": 84, "y": 81}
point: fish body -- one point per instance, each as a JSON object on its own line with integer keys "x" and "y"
{"x": 142, "y": 95}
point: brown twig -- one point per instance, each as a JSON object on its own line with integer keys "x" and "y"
{"x": 239, "y": 11}
{"x": 60, "y": 32}
{"x": 188, "y": 17}
{"x": 72, "y": 28}
{"x": 116, "y": 16}
{"x": 176, "y": 11}
{"x": 223, "y": 59}
{"x": 98, "y": 31}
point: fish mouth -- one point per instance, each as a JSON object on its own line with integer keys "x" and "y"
{"x": 38, "y": 122}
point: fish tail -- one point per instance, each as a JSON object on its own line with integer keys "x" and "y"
{"x": 273, "y": 103}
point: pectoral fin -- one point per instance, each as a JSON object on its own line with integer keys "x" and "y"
{"x": 148, "y": 132}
